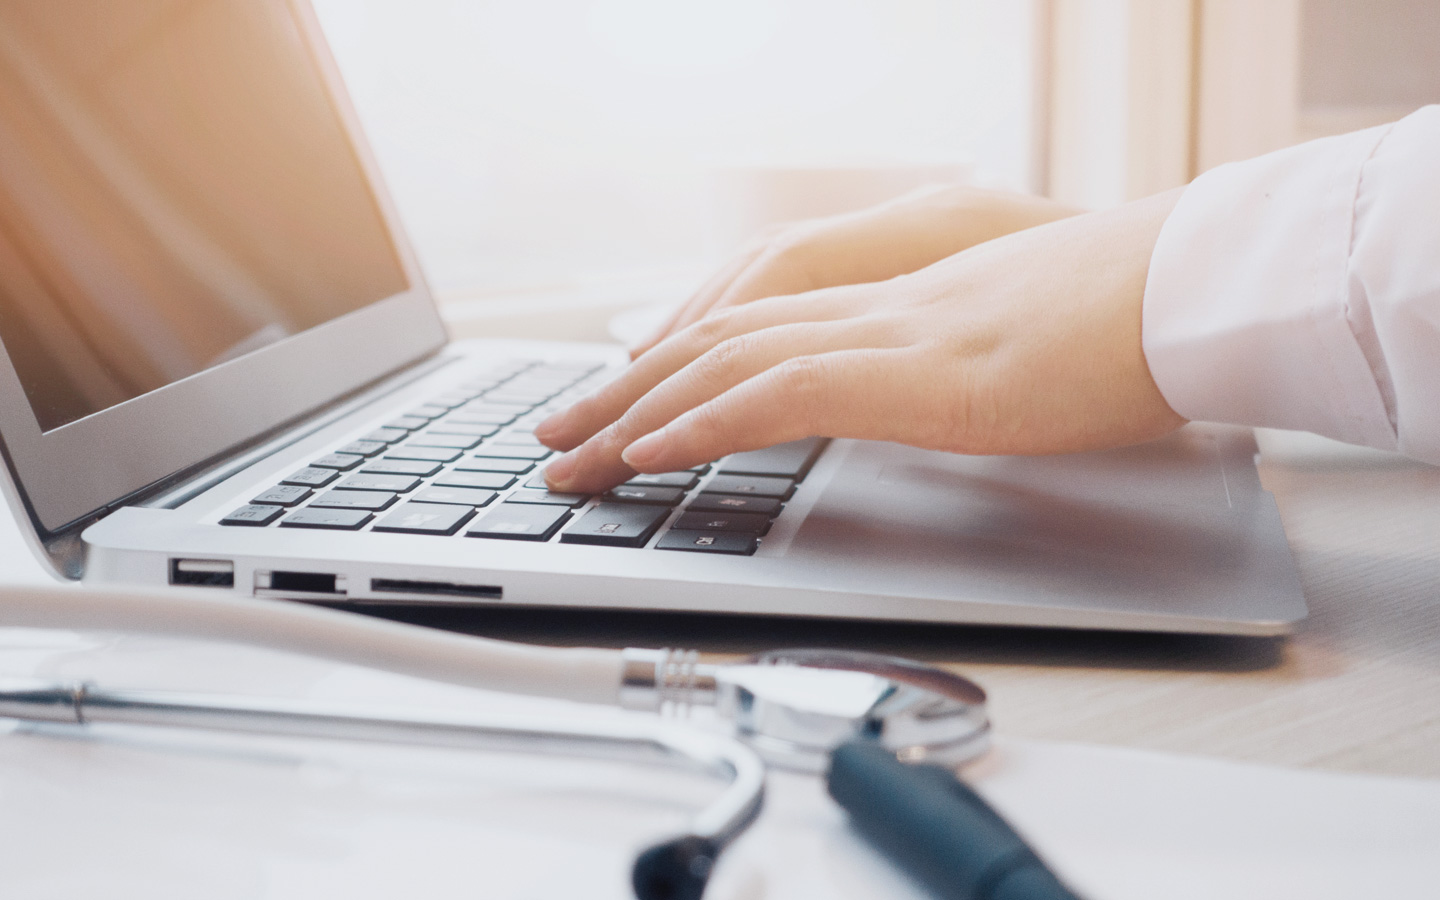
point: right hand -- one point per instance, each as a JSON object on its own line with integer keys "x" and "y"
{"x": 876, "y": 244}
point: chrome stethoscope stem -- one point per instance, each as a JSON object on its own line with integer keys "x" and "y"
{"x": 655, "y": 742}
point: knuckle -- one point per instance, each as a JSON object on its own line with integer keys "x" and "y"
{"x": 715, "y": 368}
{"x": 713, "y": 328}
{"x": 804, "y": 381}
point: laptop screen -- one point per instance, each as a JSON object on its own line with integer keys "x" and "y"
{"x": 176, "y": 190}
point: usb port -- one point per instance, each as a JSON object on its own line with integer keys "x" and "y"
{"x": 203, "y": 572}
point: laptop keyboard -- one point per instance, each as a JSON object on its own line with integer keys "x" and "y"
{"x": 466, "y": 464}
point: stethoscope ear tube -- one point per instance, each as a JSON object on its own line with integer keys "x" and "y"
{"x": 937, "y": 828}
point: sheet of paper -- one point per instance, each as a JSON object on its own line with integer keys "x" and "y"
{"x": 157, "y": 814}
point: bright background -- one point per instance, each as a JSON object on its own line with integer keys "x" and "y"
{"x": 563, "y": 143}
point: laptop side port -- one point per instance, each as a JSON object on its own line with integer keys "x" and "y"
{"x": 435, "y": 588}
{"x": 281, "y": 583}
{"x": 202, "y": 572}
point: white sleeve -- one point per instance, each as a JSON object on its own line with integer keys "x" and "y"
{"x": 1301, "y": 290}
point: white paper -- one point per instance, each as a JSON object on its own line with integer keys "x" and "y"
{"x": 146, "y": 813}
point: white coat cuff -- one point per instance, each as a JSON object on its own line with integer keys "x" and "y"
{"x": 1245, "y": 313}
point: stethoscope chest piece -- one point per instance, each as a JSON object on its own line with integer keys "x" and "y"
{"x": 795, "y": 706}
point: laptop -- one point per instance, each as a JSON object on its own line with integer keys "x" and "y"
{"x": 222, "y": 369}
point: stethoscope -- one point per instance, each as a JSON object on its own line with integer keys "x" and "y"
{"x": 789, "y": 708}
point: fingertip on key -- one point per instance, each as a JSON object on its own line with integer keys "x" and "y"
{"x": 559, "y": 473}
{"x": 643, "y": 453}
{"x": 549, "y": 429}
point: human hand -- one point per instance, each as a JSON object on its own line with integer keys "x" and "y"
{"x": 876, "y": 244}
{"x": 1027, "y": 344}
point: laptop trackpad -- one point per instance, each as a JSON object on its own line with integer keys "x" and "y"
{"x": 1136, "y": 518}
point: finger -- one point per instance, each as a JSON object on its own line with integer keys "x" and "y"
{"x": 774, "y": 273}
{"x": 569, "y": 428}
{"x": 597, "y": 464}
{"x": 702, "y": 299}
{"x": 848, "y": 393}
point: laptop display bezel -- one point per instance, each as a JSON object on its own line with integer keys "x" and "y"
{"x": 67, "y": 474}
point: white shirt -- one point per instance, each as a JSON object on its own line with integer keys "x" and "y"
{"x": 1301, "y": 290}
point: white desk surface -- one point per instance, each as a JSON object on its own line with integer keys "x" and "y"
{"x": 123, "y": 813}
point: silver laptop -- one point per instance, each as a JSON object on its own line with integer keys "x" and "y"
{"x": 222, "y": 368}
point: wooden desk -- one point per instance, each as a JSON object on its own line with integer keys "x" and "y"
{"x": 1357, "y": 688}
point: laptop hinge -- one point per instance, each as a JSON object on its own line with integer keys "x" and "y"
{"x": 180, "y": 489}
{"x": 64, "y": 551}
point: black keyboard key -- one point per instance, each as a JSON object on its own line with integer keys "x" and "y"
{"x": 363, "y": 448}
{"x": 617, "y": 525}
{"x": 440, "y": 439}
{"x": 484, "y": 415}
{"x": 729, "y": 542}
{"x": 408, "y": 450}
{"x": 386, "y": 435}
{"x": 340, "y": 462}
{"x": 751, "y": 486}
{"x": 450, "y": 426}
{"x": 408, "y": 423}
{"x": 395, "y": 484}
{"x": 662, "y": 496}
{"x": 428, "y": 411}
{"x": 495, "y": 481}
{"x": 342, "y": 499}
{"x": 495, "y": 464}
{"x": 338, "y": 519}
{"x": 283, "y": 495}
{"x": 425, "y": 518}
{"x": 389, "y": 466}
{"x": 548, "y": 497}
{"x": 520, "y": 522}
{"x": 708, "y": 502}
{"x": 312, "y": 477}
{"x": 749, "y": 523}
{"x": 455, "y": 496}
{"x": 254, "y": 516}
{"x": 790, "y": 460}
{"x": 512, "y": 451}
{"x": 682, "y": 480}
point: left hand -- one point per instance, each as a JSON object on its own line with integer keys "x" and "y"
{"x": 1028, "y": 344}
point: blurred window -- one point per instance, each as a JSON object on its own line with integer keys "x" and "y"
{"x": 553, "y": 143}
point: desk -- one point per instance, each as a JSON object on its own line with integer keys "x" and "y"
{"x": 1354, "y": 690}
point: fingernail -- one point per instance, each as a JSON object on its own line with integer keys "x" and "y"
{"x": 557, "y": 474}
{"x": 645, "y": 451}
{"x": 547, "y": 429}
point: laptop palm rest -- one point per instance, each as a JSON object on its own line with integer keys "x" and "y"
{"x": 1177, "y": 528}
